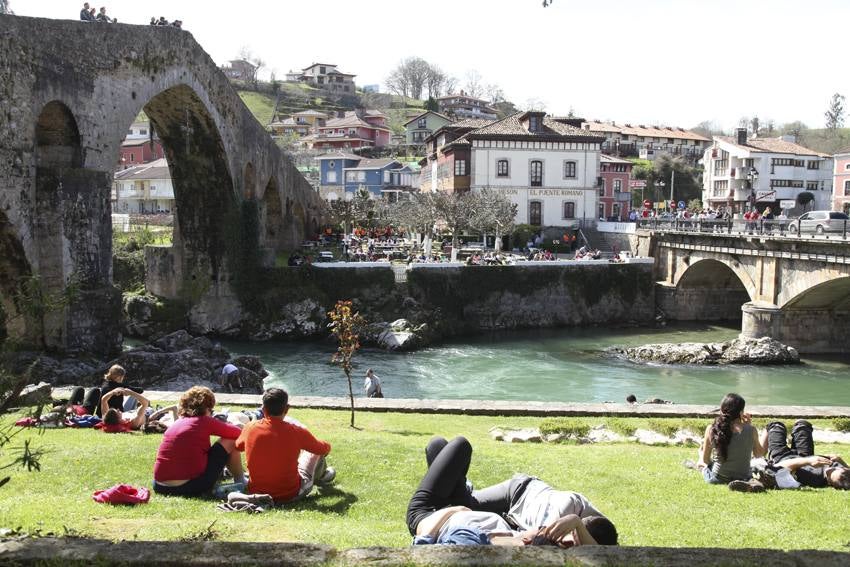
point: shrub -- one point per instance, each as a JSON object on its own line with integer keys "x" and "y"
{"x": 841, "y": 423}
{"x": 625, "y": 427}
{"x": 564, "y": 426}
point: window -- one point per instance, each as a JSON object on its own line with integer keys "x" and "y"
{"x": 601, "y": 187}
{"x": 569, "y": 210}
{"x": 813, "y": 165}
{"x": 422, "y": 123}
{"x": 618, "y": 185}
{"x": 331, "y": 177}
{"x": 786, "y": 183}
{"x": 615, "y": 210}
{"x": 569, "y": 170}
{"x": 142, "y": 131}
{"x": 322, "y": 70}
{"x": 535, "y": 213}
{"x": 460, "y": 167}
{"x": 847, "y": 167}
{"x": 533, "y": 123}
{"x": 352, "y": 131}
{"x": 536, "y": 174}
{"x": 502, "y": 168}
{"x": 812, "y": 185}
{"x": 847, "y": 188}
{"x": 601, "y": 211}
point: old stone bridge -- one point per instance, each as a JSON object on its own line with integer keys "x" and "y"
{"x": 68, "y": 94}
{"x": 796, "y": 290}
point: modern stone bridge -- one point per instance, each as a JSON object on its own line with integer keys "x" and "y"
{"x": 796, "y": 290}
{"x": 68, "y": 94}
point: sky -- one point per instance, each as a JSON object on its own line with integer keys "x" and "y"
{"x": 671, "y": 62}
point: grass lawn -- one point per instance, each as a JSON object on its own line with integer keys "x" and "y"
{"x": 645, "y": 491}
{"x": 260, "y": 105}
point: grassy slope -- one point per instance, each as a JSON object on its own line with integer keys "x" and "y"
{"x": 652, "y": 499}
{"x": 260, "y": 105}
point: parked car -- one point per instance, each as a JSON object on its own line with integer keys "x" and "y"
{"x": 820, "y": 222}
{"x": 325, "y": 256}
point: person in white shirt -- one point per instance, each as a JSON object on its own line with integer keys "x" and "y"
{"x": 372, "y": 385}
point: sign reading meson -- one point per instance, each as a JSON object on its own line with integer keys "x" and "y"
{"x": 548, "y": 166}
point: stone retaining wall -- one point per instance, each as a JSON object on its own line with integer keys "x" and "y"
{"x": 68, "y": 552}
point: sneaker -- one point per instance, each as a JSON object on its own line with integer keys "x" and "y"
{"x": 746, "y": 486}
{"x": 327, "y": 477}
{"x": 784, "y": 479}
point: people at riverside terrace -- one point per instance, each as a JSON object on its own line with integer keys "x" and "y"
{"x": 284, "y": 460}
{"x": 372, "y": 385}
{"x": 186, "y": 463}
{"x": 734, "y": 441}
{"x": 438, "y": 510}
{"x": 86, "y": 14}
{"x": 102, "y": 17}
{"x": 808, "y": 469}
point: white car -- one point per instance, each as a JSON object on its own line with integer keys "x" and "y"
{"x": 820, "y": 222}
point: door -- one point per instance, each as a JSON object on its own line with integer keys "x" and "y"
{"x": 535, "y": 213}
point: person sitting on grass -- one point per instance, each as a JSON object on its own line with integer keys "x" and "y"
{"x": 734, "y": 441}
{"x": 114, "y": 378}
{"x": 807, "y": 468}
{"x": 186, "y": 463}
{"x": 440, "y": 509}
{"x": 113, "y": 419}
{"x": 284, "y": 460}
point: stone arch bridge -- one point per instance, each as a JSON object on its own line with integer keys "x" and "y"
{"x": 796, "y": 290}
{"x": 69, "y": 92}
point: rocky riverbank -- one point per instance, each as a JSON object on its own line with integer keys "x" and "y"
{"x": 738, "y": 351}
{"x": 174, "y": 362}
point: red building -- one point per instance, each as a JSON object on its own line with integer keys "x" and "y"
{"x": 354, "y": 130}
{"x": 448, "y": 166}
{"x": 139, "y": 151}
{"x": 615, "y": 197}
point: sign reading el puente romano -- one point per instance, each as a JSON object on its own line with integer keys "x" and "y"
{"x": 546, "y": 192}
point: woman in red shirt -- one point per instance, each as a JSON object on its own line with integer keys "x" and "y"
{"x": 186, "y": 463}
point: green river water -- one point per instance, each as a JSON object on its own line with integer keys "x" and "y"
{"x": 565, "y": 365}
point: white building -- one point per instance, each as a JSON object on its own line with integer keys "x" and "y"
{"x": 143, "y": 189}
{"x": 549, "y": 168}
{"x": 761, "y": 172}
{"x": 139, "y": 131}
{"x": 648, "y": 142}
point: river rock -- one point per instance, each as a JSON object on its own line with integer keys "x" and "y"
{"x": 296, "y": 320}
{"x": 35, "y": 394}
{"x": 147, "y": 316}
{"x": 43, "y": 368}
{"x": 398, "y": 335}
{"x": 738, "y": 351}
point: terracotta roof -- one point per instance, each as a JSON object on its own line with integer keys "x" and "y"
{"x": 138, "y": 141}
{"x": 418, "y": 116}
{"x": 337, "y": 155}
{"x": 461, "y": 96}
{"x": 512, "y": 127}
{"x": 374, "y": 163}
{"x": 772, "y": 145}
{"x": 642, "y": 130}
{"x": 469, "y": 123}
{"x": 611, "y": 159}
{"x": 157, "y": 169}
{"x": 373, "y": 112}
{"x": 350, "y": 120}
{"x": 309, "y": 113}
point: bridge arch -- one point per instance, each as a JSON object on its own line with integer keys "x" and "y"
{"x": 830, "y": 295}
{"x": 13, "y": 269}
{"x": 272, "y": 213}
{"x": 707, "y": 290}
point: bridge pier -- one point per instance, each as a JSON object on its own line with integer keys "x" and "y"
{"x": 807, "y": 330}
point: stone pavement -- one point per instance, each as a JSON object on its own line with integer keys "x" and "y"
{"x": 68, "y": 552}
{"x": 498, "y": 407}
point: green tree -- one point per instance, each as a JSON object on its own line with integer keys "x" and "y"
{"x": 345, "y": 325}
{"x": 835, "y": 112}
{"x": 677, "y": 176}
{"x": 804, "y": 198}
{"x": 431, "y": 104}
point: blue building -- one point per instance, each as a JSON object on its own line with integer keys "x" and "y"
{"x": 341, "y": 173}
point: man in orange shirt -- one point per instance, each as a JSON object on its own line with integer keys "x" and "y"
{"x": 283, "y": 458}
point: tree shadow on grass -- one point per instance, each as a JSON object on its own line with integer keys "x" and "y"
{"x": 327, "y": 499}
{"x": 405, "y": 433}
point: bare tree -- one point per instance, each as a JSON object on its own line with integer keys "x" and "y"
{"x": 495, "y": 93}
{"x": 835, "y": 113}
{"x": 397, "y": 83}
{"x": 455, "y": 210}
{"x": 436, "y": 81}
{"x": 4, "y": 7}
{"x": 410, "y": 77}
{"x": 535, "y": 103}
{"x": 491, "y": 211}
{"x": 755, "y": 125}
{"x": 474, "y": 84}
{"x": 450, "y": 85}
{"x": 769, "y": 127}
{"x": 796, "y": 129}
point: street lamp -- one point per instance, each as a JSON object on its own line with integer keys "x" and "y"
{"x": 752, "y": 177}
{"x": 659, "y": 185}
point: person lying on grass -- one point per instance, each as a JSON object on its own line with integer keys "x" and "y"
{"x": 438, "y": 510}
{"x": 186, "y": 463}
{"x": 284, "y": 459}
{"x": 527, "y": 502}
{"x": 807, "y": 468}
{"x": 734, "y": 441}
{"x": 113, "y": 419}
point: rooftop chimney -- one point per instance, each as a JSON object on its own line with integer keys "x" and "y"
{"x": 742, "y": 136}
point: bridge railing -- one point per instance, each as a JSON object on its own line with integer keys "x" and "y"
{"x": 789, "y": 228}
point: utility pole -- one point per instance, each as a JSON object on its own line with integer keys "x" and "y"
{"x": 672, "y": 184}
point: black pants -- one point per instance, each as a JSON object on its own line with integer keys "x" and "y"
{"x": 444, "y": 484}
{"x": 802, "y": 443}
{"x": 90, "y": 400}
{"x": 497, "y": 498}
{"x": 217, "y": 458}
